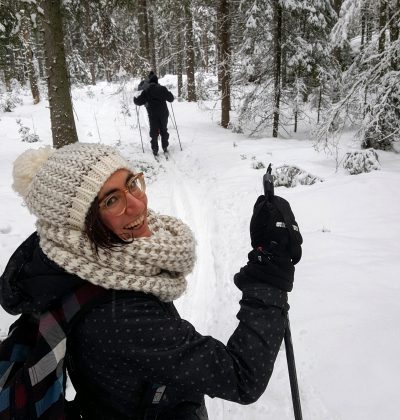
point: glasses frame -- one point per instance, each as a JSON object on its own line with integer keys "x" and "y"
{"x": 140, "y": 177}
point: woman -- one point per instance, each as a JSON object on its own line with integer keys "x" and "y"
{"x": 93, "y": 224}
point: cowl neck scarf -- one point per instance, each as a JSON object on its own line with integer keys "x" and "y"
{"x": 156, "y": 265}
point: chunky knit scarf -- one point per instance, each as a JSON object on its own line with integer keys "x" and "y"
{"x": 155, "y": 265}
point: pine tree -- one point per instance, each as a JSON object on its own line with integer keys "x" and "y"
{"x": 370, "y": 93}
{"x": 284, "y": 51}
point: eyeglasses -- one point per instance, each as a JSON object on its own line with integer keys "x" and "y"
{"x": 115, "y": 203}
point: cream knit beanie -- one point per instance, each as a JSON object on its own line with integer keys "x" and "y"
{"x": 59, "y": 186}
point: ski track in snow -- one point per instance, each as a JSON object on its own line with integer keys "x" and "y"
{"x": 185, "y": 204}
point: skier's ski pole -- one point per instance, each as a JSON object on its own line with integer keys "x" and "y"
{"x": 140, "y": 131}
{"x": 294, "y": 386}
{"x": 268, "y": 183}
{"x": 176, "y": 127}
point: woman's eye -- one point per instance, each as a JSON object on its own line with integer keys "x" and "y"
{"x": 111, "y": 201}
{"x": 132, "y": 184}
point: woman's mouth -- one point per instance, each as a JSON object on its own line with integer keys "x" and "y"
{"x": 136, "y": 224}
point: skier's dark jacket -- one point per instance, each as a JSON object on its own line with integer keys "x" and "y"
{"x": 133, "y": 340}
{"x": 154, "y": 97}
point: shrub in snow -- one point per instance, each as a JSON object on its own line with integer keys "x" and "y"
{"x": 25, "y": 134}
{"x": 361, "y": 161}
{"x": 9, "y": 101}
{"x": 206, "y": 87}
{"x": 235, "y": 127}
{"x": 258, "y": 165}
{"x": 15, "y": 86}
{"x": 125, "y": 109}
{"x": 89, "y": 92}
{"x": 290, "y": 176}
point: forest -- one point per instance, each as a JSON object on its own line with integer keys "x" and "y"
{"x": 266, "y": 64}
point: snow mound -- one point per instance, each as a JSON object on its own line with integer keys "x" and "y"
{"x": 361, "y": 161}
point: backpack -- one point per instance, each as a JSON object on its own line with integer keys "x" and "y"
{"x": 32, "y": 358}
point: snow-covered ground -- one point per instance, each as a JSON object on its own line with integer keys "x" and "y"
{"x": 344, "y": 307}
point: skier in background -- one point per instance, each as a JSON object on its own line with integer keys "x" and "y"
{"x": 155, "y": 97}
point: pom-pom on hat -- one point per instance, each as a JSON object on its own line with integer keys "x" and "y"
{"x": 59, "y": 186}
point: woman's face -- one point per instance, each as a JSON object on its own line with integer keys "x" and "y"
{"x": 132, "y": 223}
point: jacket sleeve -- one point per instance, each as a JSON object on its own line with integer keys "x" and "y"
{"x": 162, "y": 348}
{"x": 169, "y": 96}
{"x": 141, "y": 99}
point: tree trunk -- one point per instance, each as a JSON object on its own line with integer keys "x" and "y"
{"x": 319, "y": 104}
{"x": 89, "y": 53}
{"x": 7, "y": 68}
{"x": 18, "y": 58}
{"x": 337, "y": 4}
{"x": 382, "y": 24}
{"x": 205, "y": 51}
{"x": 30, "y": 67}
{"x": 191, "y": 86}
{"x": 152, "y": 42}
{"x": 143, "y": 36}
{"x": 365, "y": 104}
{"x": 38, "y": 34}
{"x": 218, "y": 57}
{"x": 363, "y": 26}
{"x": 394, "y": 7}
{"x": 224, "y": 41}
{"x": 179, "y": 66}
{"x": 277, "y": 64}
{"x": 61, "y": 111}
{"x": 369, "y": 21}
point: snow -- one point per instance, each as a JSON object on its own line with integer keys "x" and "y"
{"x": 344, "y": 306}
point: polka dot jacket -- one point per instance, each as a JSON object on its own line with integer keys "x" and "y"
{"x": 133, "y": 341}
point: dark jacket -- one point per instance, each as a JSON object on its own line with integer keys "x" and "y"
{"x": 134, "y": 341}
{"x": 155, "y": 97}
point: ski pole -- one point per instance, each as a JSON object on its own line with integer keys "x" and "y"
{"x": 268, "y": 183}
{"x": 176, "y": 127}
{"x": 294, "y": 386}
{"x": 140, "y": 131}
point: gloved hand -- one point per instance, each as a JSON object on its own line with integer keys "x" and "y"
{"x": 265, "y": 269}
{"x": 274, "y": 231}
{"x": 276, "y": 248}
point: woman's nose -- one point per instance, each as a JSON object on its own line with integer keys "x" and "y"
{"x": 132, "y": 202}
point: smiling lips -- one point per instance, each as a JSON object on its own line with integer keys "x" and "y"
{"x": 136, "y": 224}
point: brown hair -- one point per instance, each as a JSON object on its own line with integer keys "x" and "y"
{"x": 96, "y": 231}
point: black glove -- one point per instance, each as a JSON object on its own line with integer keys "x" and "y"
{"x": 274, "y": 231}
{"x": 263, "y": 269}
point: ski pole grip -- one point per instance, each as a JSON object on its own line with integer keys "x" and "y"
{"x": 268, "y": 183}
